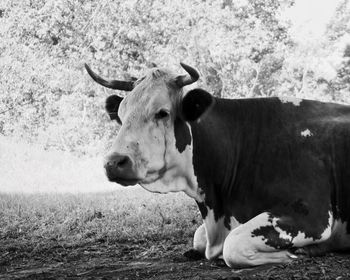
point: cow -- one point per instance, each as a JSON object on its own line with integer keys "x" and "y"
{"x": 271, "y": 176}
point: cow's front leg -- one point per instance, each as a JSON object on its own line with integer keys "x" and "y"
{"x": 200, "y": 240}
{"x": 199, "y": 244}
{"x": 261, "y": 241}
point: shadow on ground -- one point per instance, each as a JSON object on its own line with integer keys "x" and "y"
{"x": 145, "y": 260}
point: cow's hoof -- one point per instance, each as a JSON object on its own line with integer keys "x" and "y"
{"x": 194, "y": 255}
{"x": 310, "y": 251}
{"x": 300, "y": 252}
{"x": 218, "y": 263}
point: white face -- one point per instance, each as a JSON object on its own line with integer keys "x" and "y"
{"x": 147, "y": 138}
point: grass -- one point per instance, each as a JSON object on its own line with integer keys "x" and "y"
{"x": 120, "y": 215}
{"x": 70, "y": 233}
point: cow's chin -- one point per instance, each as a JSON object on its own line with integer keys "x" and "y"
{"x": 125, "y": 182}
{"x": 129, "y": 182}
{"x": 155, "y": 187}
{"x": 159, "y": 186}
{"x": 152, "y": 179}
{"x": 164, "y": 183}
{"x": 149, "y": 178}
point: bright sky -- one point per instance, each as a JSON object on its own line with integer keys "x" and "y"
{"x": 310, "y": 17}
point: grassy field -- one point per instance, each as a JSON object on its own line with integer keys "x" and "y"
{"x": 53, "y": 235}
{"x": 114, "y": 216}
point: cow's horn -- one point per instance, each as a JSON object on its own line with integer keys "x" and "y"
{"x": 113, "y": 84}
{"x": 187, "y": 79}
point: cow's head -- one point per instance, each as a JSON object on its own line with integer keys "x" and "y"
{"x": 153, "y": 147}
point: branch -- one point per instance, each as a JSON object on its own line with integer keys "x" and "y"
{"x": 250, "y": 94}
{"x": 64, "y": 142}
{"x": 23, "y": 104}
{"x": 84, "y": 113}
{"x": 303, "y": 81}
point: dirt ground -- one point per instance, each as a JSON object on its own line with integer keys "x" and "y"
{"x": 146, "y": 260}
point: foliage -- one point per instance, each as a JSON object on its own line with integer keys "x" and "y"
{"x": 242, "y": 49}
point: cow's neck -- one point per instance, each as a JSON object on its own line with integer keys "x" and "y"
{"x": 224, "y": 144}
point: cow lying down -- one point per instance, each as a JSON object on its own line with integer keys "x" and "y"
{"x": 271, "y": 176}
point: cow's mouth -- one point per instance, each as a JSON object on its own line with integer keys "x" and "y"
{"x": 125, "y": 182}
{"x": 151, "y": 176}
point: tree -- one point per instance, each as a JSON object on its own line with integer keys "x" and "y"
{"x": 241, "y": 48}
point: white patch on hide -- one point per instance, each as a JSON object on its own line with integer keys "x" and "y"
{"x": 179, "y": 174}
{"x": 282, "y": 234}
{"x": 216, "y": 235}
{"x": 300, "y": 239}
{"x": 200, "y": 239}
{"x": 306, "y": 133}
{"x": 328, "y": 231}
{"x": 245, "y": 247}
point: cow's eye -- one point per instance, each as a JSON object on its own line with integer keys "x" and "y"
{"x": 161, "y": 114}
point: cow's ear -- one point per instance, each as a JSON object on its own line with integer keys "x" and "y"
{"x": 195, "y": 103}
{"x": 112, "y": 105}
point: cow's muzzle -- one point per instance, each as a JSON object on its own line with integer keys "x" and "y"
{"x": 120, "y": 169}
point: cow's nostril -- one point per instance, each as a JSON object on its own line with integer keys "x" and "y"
{"x": 118, "y": 165}
{"x": 122, "y": 162}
